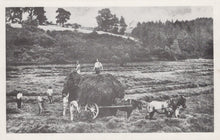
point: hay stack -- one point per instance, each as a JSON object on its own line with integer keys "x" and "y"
{"x": 100, "y": 89}
{"x": 71, "y": 85}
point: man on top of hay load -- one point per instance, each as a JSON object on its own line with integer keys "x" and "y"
{"x": 98, "y": 67}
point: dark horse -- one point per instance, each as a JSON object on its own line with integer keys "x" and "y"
{"x": 134, "y": 104}
{"x": 176, "y": 103}
{"x": 71, "y": 86}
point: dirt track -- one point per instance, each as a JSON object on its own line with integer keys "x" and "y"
{"x": 146, "y": 81}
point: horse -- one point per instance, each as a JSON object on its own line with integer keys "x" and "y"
{"x": 157, "y": 106}
{"x": 177, "y": 112}
{"x": 71, "y": 86}
{"x": 134, "y": 104}
{"x": 166, "y": 107}
{"x": 127, "y": 105}
{"x": 74, "y": 108}
{"x": 177, "y": 104}
{"x": 181, "y": 101}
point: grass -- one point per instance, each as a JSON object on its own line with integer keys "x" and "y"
{"x": 171, "y": 80}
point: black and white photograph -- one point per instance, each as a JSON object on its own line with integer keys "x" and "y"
{"x": 109, "y": 69}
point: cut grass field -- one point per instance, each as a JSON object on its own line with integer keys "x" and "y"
{"x": 145, "y": 81}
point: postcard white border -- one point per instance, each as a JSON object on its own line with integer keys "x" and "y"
{"x": 112, "y": 3}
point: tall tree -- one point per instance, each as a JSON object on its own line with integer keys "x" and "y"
{"x": 36, "y": 13}
{"x": 115, "y": 24}
{"x": 14, "y": 14}
{"x": 123, "y": 25}
{"x": 30, "y": 11}
{"x": 40, "y": 15}
{"x": 62, "y": 16}
{"x": 104, "y": 20}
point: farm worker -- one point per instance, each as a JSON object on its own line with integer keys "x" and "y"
{"x": 40, "y": 101}
{"x": 98, "y": 67}
{"x": 70, "y": 93}
{"x": 50, "y": 94}
{"x": 77, "y": 67}
{"x": 19, "y": 99}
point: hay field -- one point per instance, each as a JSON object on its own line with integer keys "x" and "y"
{"x": 147, "y": 81}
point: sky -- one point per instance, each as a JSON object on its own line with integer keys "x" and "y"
{"x": 86, "y": 16}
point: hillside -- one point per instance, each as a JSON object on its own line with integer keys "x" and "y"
{"x": 34, "y": 45}
{"x": 50, "y": 44}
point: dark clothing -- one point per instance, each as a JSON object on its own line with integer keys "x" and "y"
{"x": 50, "y": 98}
{"x": 19, "y": 103}
{"x": 97, "y": 70}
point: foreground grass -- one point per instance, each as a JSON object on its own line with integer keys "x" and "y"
{"x": 145, "y": 81}
{"x": 197, "y": 117}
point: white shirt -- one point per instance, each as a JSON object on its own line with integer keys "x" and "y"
{"x": 78, "y": 68}
{"x": 39, "y": 98}
{"x": 50, "y": 92}
{"x": 98, "y": 65}
{"x": 19, "y": 95}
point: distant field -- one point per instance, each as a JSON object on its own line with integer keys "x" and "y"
{"x": 148, "y": 81}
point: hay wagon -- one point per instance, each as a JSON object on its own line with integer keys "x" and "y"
{"x": 94, "y": 90}
{"x": 95, "y": 109}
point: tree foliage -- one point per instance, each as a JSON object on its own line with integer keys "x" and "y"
{"x": 110, "y": 23}
{"x": 123, "y": 25}
{"x": 176, "y": 40}
{"x": 14, "y": 14}
{"x": 40, "y": 15}
{"x": 62, "y": 16}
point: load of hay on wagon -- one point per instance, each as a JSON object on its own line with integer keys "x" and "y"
{"x": 101, "y": 89}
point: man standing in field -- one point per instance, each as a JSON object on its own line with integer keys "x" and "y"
{"x": 77, "y": 67}
{"x": 98, "y": 67}
{"x": 50, "y": 94}
{"x": 19, "y": 99}
{"x": 40, "y": 101}
{"x": 70, "y": 92}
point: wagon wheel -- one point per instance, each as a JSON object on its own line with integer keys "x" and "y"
{"x": 93, "y": 108}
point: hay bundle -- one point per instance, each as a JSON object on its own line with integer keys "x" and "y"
{"x": 100, "y": 89}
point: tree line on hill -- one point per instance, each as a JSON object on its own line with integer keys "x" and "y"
{"x": 157, "y": 40}
{"x": 179, "y": 39}
{"x": 106, "y": 21}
